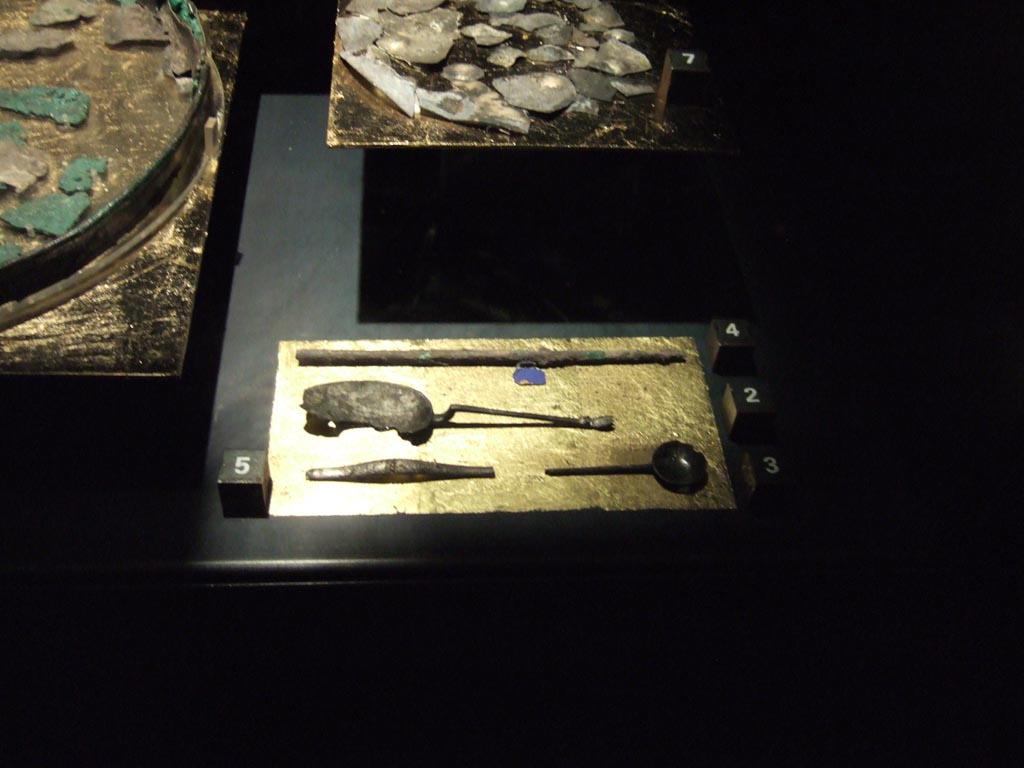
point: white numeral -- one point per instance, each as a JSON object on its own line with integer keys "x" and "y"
{"x": 771, "y": 466}
{"x": 242, "y": 465}
{"x": 732, "y": 330}
{"x": 690, "y": 57}
{"x": 752, "y": 396}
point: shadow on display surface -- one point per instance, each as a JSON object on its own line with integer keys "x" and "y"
{"x": 543, "y": 236}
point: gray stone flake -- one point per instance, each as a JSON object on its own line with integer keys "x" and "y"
{"x": 357, "y": 33}
{"x": 616, "y": 58}
{"x": 528, "y": 22}
{"x": 500, "y": 6}
{"x": 369, "y": 8}
{"x": 546, "y": 54}
{"x": 375, "y": 67}
{"x": 544, "y": 92}
{"x": 471, "y": 87}
{"x": 585, "y": 58}
{"x": 583, "y": 40}
{"x": 631, "y": 88}
{"x": 406, "y": 7}
{"x": 485, "y": 34}
{"x": 505, "y": 56}
{"x": 592, "y": 85}
{"x": 484, "y": 107}
{"x": 603, "y": 15}
{"x": 556, "y": 34}
{"x": 584, "y": 106}
{"x": 622, "y": 35}
{"x": 462, "y": 72}
{"x": 422, "y": 38}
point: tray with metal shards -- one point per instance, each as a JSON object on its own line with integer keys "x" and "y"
{"x": 112, "y": 292}
{"x": 652, "y": 389}
{"x": 513, "y": 73}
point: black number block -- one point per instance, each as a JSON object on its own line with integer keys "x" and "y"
{"x": 749, "y": 411}
{"x": 763, "y": 482}
{"x": 685, "y": 81}
{"x": 731, "y": 344}
{"x": 244, "y": 484}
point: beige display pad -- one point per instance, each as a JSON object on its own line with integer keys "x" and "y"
{"x": 651, "y": 404}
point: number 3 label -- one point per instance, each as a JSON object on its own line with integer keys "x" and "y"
{"x": 771, "y": 465}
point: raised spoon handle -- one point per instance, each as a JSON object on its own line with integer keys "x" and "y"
{"x": 603, "y": 423}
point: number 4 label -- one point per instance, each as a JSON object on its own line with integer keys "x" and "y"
{"x": 732, "y": 330}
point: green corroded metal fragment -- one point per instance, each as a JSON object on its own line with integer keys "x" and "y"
{"x": 187, "y": 15}
{"x": 52, "y": 215}
{"x": 13, "y": 131}
{"x": 9, "y": 252}
{"x": 67, "y": 106}
{"x": 80, "y": 173}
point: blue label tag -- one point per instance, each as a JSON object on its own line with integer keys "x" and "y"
{"x": 528, "y": 375}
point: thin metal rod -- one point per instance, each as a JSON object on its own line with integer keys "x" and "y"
{"x": 444, "y": 357}
{"x": 584, "y": 422}
{"x": 624, "y": 469}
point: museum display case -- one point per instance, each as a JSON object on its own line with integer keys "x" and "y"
{"x": 515, "y": 228}
{"x": 486, "y": 290}
{"x": 595, "y": 373}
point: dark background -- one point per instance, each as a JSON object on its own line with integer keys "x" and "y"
{"x": 882, "y": 200}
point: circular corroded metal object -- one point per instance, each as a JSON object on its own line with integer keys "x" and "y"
{"x": 679, "y": 466}
{"x": 142, "y": 75}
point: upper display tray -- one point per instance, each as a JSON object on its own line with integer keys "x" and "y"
{"x": 448, "y": 73}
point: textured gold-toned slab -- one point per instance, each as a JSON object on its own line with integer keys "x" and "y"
{"x": 361, "y": 118}
{"x": 651, "y": 404}
{"x": 135, "y": 319}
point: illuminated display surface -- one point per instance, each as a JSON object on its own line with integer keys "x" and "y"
{"x": 651, "y": 404}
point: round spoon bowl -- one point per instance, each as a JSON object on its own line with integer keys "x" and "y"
{"x": 679, "y": 465}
